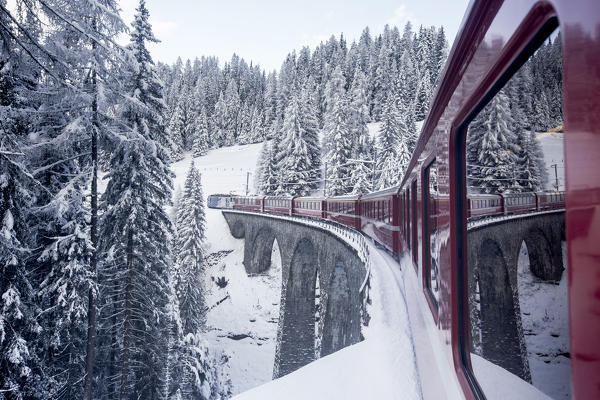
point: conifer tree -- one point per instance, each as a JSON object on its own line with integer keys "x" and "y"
{"x": 201, "y": 145}
{"x": 191, "y": 223}
{"x": 491, "y": 158}
{"x": 388, "y": 142}
{"x": 222, "y": 136}
{"x": 296, "y": 161}
{"x": 530, "y": 162}
{"x": 136, "y": 230}
{"x": 310, "y": 125}
{"x": 340, "y": 151}
{"x": 20, "y": 366}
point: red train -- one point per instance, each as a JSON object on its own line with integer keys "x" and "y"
{"x": 379, "y": 214}
{"x": 424, "y": 220}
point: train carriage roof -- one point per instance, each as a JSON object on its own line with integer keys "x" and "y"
{"x": 384, "y": 192}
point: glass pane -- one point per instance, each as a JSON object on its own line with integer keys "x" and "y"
{"x": 517, "y": 265}
{"x": 431, "y": 186}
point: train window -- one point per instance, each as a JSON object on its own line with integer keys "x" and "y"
{"x": 516, "y": 268}
{"x": 408, "y": 217}
{"x": 414, "y": 223}
{"x": 430, "y": 239}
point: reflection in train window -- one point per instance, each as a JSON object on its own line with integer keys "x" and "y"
{"x": 517, "y": 266}
{"x": 415, "y": 244}
{"x": 408, "y": 216}
{"x": 431, "y": 267}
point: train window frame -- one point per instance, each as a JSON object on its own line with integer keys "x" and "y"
{"x": 545, "y": 27}
{"x": 414, "y": 223}
{"x": 426, "y": 256}
{"x": 408, "y": 218}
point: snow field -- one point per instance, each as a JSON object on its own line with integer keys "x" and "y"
{"x": 382, "y": 366}
{"x": 244, "y": 325}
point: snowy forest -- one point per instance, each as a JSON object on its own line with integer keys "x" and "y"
{"x": 100, "y": 294}
{"x": 503, "y": 152}
{"x": 312, "y": 115}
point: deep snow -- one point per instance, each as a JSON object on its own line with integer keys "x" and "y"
{"x": 382, "y": 366}
{"x": 244, "y": 325}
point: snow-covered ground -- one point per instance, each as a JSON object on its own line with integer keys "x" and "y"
{"x": 381, "y": 367}
{"x": 553, "y": 148}
{"x": 545, "y": 318}
{"x": 244, "y": 325}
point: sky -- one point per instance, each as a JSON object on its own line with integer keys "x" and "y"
{"x": 265, "y": 31}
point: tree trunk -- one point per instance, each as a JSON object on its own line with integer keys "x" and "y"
{"x": 127, "y": 322}
{"x": 91, "y": 331}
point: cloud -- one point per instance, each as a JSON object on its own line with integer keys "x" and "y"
{"x": 401, "y": 17}
{"x": 162, "y": 28}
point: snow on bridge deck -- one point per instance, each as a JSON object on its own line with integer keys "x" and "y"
{"x": 503, "y": 218}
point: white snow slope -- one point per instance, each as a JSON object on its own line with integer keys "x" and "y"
{"x": 244, "y": 325}
{"x": 381, "y": 367}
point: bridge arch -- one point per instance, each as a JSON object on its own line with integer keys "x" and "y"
{"x": 336, "y": 330}
{"x": 541, "y": 256}
{"x": 499, "y": 324}
{"x": 262, "y": 247}
{"x": 238, "y": 230}
{"x": 297, "y": 347}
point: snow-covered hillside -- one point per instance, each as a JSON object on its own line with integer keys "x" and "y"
{"x": 243, "y": 320}
{"x": 381, "y": 367}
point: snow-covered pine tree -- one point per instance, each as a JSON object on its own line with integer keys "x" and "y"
{"x": 245, "y": 125}
{"x": 359, "y": 113}
{"x": 268, "y": 174}
{"x": 201, "y": 145}
{"x": 296, "y": 160}
{"x": 191, "y": 223}
{"x": 221, "y": 134}
{"x": 234, "y": 107}
{"x": 257, "y": 127}
{"x": 531, "y": 169}
{"x": 382, "y": 81}
{"x": 387, "y": 146}
{"x": 491, "y": 158}
{"x": 259, "y": 170}
{"x": 310, "y": 125}
{"x": 438, "y": 56}
{"x": 205, "y": 373}
{"x": 335, "y": 89}
{"x": 422, "y": 96}
{"x": 136, "y": 230}
{"x": 21, "y": 370}
{"x": 270, "y": 99}
{"x": 359, "y": 117}
{"x": 177, "y": 130}
{"x": 339, "y": 168}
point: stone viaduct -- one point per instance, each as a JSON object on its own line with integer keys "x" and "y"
{"x": 310, "y": 324}
{"x": 493, "y": 253}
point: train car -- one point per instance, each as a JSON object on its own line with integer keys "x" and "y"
{"x": 449, "y": 283}
{"x": 483, "y": 205}
{"x": 379, "y": 217}
{"x": 248, "y": 203}
{"x": 519, "y": 203}
{"x": 278, "y": 205}
{"x": 344, "y": 210}
{"x": 220, "y": 201}
{"x": 550, "y": 200}
{"x": 309, "y": 207}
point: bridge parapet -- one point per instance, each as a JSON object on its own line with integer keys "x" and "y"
{"x": 310, "y": 324}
